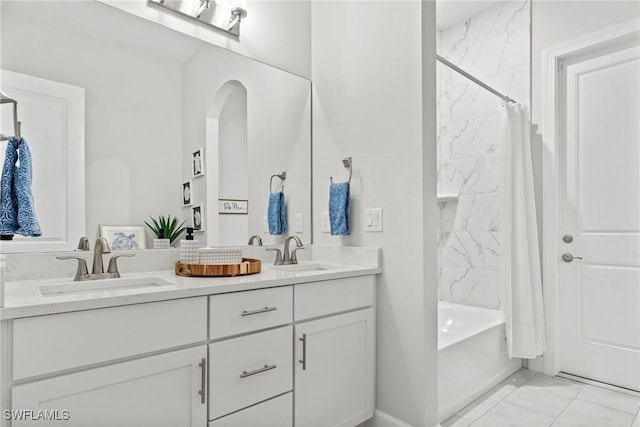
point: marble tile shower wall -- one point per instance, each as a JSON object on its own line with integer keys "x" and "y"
{"x": 493, "y": 46}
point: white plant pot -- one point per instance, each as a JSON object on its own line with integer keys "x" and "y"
{"x": 161, "y": 243}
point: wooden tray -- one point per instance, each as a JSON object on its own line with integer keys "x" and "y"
{"x": 248, "y": 266}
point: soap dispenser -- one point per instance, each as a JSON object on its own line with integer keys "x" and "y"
{"x": 189, "y": 248}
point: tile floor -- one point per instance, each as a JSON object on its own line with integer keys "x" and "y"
{"x": 528, "y": 399}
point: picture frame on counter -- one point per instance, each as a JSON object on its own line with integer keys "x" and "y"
{"x": 124, "y": 237}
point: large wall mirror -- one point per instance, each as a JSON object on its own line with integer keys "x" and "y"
{"x": 153, "y": 101}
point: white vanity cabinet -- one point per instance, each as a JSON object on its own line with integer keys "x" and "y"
{"x": 292, "y": 355}
{"x": 130, "y": 366}
{"x": 335, "y": 365}
{"x": 317, "y": 339}
{"x": 251, "y": 357}
{"x": 154, "y": 391}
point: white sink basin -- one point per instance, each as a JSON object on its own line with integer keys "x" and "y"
{"x": 87, "y": 286}
{"x": 299, "y": 268}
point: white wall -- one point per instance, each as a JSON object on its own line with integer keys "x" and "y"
{"x": 367, "y": 73}
{"x": 133, "y": 122}
{"x": 274, "y": 32}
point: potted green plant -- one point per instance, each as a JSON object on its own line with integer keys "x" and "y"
{"x": 167, "y": 230}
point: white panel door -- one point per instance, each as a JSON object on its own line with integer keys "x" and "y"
{"x": 156, "y": 391}
{"x": 600, "y": 293}
{"x": 334, "y": 370}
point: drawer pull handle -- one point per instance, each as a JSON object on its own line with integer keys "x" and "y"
{"x": 304, "y": 352}
{"x": 203, "y": 380}
{"x": 258, "y": 311}
{"x": 266, "y": 368}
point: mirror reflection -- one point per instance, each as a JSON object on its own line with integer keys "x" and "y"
{"x": 118, "y": 111}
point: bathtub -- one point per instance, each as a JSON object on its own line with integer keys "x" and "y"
{"x": 472, "y": 355}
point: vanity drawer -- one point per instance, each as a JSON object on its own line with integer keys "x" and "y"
{"x": 58, "y": 342}
{"x": 249, "y": 369}
{"x": 240, "y": 312}
{"x": 277, "y": 412}
{"x": 333, "y": 296}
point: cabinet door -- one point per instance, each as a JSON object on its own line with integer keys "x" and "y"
{"x": 334, "y": 380}
{"x": 156, "y": 391}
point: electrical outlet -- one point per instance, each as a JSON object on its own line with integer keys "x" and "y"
{"x": 373, "y": 219}
{"x": 299, "y": 223}
{"x": 265, "y": 226}
{"x": 326, "y": 225}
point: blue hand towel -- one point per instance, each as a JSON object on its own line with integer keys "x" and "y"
{"x": 8, "y": 201}
{"x": 27, "y": 222}
{"x": 17, "y": 215}
{"x": 276, "y": 214}
{"x": 339, "y": 207}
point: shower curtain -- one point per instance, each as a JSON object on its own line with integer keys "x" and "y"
{"x": 522, "y": 302}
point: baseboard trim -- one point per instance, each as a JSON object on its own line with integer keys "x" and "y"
{"x": 599, "y": 384}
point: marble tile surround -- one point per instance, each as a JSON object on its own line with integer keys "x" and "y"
{"x": 494, "y": 46}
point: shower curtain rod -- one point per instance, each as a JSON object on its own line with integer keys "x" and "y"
{"x": 474, "y": 79}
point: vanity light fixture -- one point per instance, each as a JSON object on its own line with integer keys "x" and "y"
{"x": 237, "y": 15}
{"x": 204, "y": 4}
{"x": 224, "y": 15}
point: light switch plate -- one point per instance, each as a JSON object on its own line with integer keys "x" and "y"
{"x": 299, "y": 223}
{"x": 265, "y": 224}
{"x": 326, "y": 225}
{"x": 373, "y": 219}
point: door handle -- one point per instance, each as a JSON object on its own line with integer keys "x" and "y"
{"x": 266, "y": 368}
{"x": 569, "y": 258}
{"x": 258, "y": 311}
{"x": 203, "y": 380}
{"x": 303, "y": 361}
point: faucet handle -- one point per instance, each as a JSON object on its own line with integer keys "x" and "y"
{"x": 278, "y": 256}
{"x": 113, "y": 264}
{"x": 294, "y": 257}
{"x": 83, "y": 244}
{"x": 82, "y": 270}
{"x": 104, "y": 245}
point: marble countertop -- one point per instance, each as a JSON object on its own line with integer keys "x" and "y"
{"x": 25, "y": 299}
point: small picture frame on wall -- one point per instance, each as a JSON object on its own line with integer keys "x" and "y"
{"x": 197, "y": 162}
{"x": 124, "y": 237}
{"x": 187, "y": 193}
{"x": 197, "y": 218}
{"x": 233, "y": 207}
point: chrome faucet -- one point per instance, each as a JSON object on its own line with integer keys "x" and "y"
{"x": 256, "y": 238}
{"x": 289, "y": 257}
{"x": 97, "y": 272}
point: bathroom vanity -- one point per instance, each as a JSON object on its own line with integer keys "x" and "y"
{"x": 279, "y": 348}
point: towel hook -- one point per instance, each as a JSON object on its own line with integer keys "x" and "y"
{"x": 282, "y": 175}
{"x": 4, "y": 99}
{"x": 347, "y": 163}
